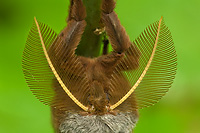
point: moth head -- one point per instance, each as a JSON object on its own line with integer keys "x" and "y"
{"x": 98, "y": 105}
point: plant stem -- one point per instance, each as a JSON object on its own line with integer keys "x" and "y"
{"x": 90, "y": 42}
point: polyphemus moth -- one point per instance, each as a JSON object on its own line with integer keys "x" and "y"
{"x": 101, "y": 94}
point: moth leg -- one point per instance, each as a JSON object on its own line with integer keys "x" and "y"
{"x": 65, "y": 45}
{"x": 70, "y": 11}
{"x": 118, "y": 37}
{"x": 63, "y": 48}
{"x": 76, "y": 25}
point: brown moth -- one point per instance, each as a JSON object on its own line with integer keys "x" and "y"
{"x": 101, "y": 94}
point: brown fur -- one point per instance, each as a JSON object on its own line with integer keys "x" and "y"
{"x": 116, "y": 33}
{"x": 70, "y": 10}
{"x": 76, "y": 10}
{"x": 108, "y": 6}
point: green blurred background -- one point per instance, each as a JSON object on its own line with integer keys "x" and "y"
{"x": 177, "y": 112}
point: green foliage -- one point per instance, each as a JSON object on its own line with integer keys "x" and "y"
{"x": 177, "y": 112}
